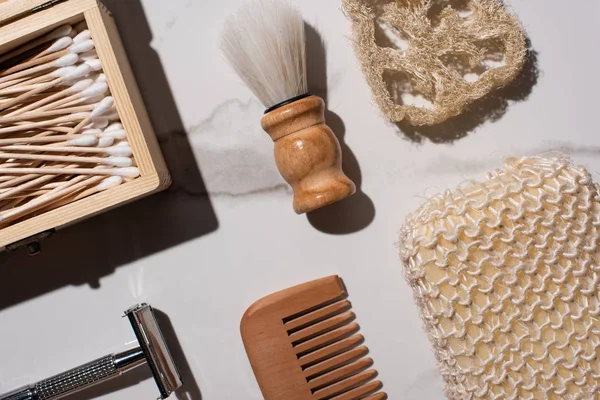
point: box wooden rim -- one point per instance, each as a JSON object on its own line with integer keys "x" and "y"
{"x": 130, "y": 106}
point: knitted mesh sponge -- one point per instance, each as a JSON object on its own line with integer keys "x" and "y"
{"x": 432, "y": 55}
{"x": 505, "y": 273}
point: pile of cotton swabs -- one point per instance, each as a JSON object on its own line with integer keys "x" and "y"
{"x": 60, "y": 135}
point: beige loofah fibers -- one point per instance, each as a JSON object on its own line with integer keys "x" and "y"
{"x": 432, "y": 55}
{"x": 506, "y": 274}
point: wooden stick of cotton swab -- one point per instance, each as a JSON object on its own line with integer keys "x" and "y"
{"x": 117, "y": 151}
{"x": 76, "y": 88}
{"x": 79, "y": 72}
{"x": 108, "y": 183}
{"x": 115, "y": 161}
{"x": 55, "y": 34}
{"x": 125, "y": 172}
{"x": 95, "y": 90}
{"x": 71, "y": 186}
{"x": 64, "y": 61}
{"x": 54, "y": 52}
{"x": 48, "y": 123}
{"x": 101, "y": 108}
{"x": 84, "y": 140}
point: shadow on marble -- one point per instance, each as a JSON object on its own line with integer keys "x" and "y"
{"x": 488, "y": 109}
{"x": 90, "y": 250}
{"x": 357, "y": 212}
{"x": 189, "y": 390}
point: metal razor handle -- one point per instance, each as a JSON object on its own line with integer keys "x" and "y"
{"x": 79, "y": 378}
{"x": 153, "y": 350}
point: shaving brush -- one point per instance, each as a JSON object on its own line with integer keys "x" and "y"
{"x": 265, "y": 44}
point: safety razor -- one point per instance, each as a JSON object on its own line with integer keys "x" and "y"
{"x": 152, "y": 350}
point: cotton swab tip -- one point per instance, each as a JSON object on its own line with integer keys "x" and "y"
{"x": 80, "y": 86}
{"x": 114, "y": 127}
{"x": 82, "y": 47}
{"x": 84, "y": 141}
{"x": 81, "y": 26}
{"x": 120, "y": 151}
{"x": 106, "y": 141}
{"x": 119, "y": 161}
{"x": 79, "y": 72}
{"x": 103, "y": 107}
{"x": 110, "y": 183}
{"x": 89, "y": 55}
{"x": 62, "y": 72}
{"x": 119, "y": 134}
{"x": 97, "y": 89}
{"x": 101, "y": 78}
{"x": 66, "y": 60}
{"x": 61, "y": 31}
{"x": 95, "y": 132}
{"x": 82, "y": 36}
{"x": 130, "y": 172}
{"x": 100, "y": 123}
{"x": 59, "y": 44}
{"x": 95, "y": 64}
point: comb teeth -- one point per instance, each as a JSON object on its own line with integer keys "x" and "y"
{"x": 331, "y": 354}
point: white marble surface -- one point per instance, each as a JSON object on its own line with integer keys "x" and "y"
{"x": 204, "y": 261}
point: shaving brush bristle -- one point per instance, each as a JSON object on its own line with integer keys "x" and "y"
{"x": 264, "y": 42}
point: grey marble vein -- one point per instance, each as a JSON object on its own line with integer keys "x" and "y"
{"x": 234, "y": 154}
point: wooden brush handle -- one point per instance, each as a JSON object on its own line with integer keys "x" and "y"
{"x": 308, "y": 154}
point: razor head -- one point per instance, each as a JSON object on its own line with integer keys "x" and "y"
{"x": 155, "y": 349}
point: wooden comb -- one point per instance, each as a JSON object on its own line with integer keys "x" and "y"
{"x": 303, "y": 345}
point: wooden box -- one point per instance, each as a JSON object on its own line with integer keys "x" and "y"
{"x": 24, "y": 20}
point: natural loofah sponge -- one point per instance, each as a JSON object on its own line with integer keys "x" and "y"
{"x": 506, "y": 273}
{"x": 428, "y": 51}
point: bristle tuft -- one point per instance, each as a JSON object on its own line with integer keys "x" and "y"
{"x": 265, "y": 44}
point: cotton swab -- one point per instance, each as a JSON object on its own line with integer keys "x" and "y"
{"x": 83, "y": 36}
{"x": 96, "y": 89}
{"x": 118, "y": 151}
{"x": 41, "y": 124}
{"x": 55, "y": 34}
{"x": 57, "y": 117}
{"x": 28, "y": 81}
{"x": 69, "y": 187}
{"x": 84, "y": 140}
{"x": 101, "y": 108}
{"x": 112, "y": 160}
{"x": 58, "y": 45}
{"x": 34, "y": 115}
{"x": 79, "y": 72}
{"x": 106, "y": 184}
{"x": 76, "y": 88}
{"x": 126, "y": 172}
{"x": 64, "y": 61}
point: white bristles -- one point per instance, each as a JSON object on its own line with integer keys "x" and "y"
{"x": 264, "y": 42}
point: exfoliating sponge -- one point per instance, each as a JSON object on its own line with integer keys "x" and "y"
{"x": 505, "y": 273}
{"x": 427, "y": 60}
